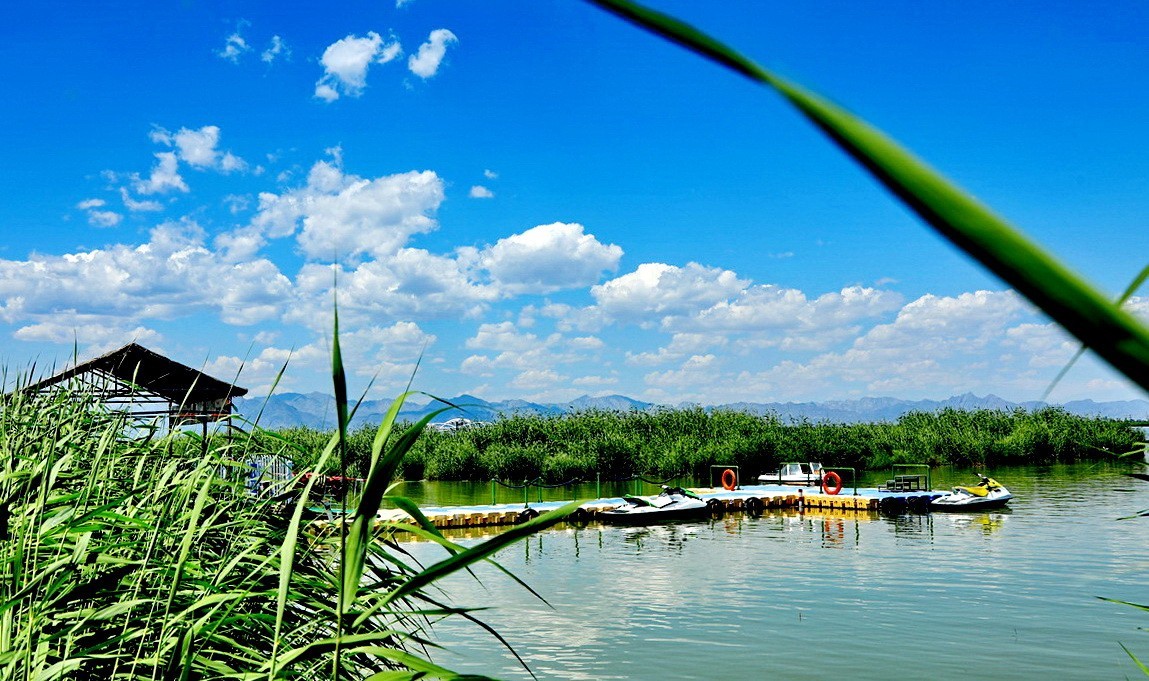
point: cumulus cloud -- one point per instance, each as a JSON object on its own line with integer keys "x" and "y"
{"x": 346, "y": 61}
{"x": 425, "y": 63}
{"x": 97, "y": 333}
{"x": 656, "y": 290}
{"x": 98, "y": 217}
{"x": 536, "y": 379}
{"x": 1045, "y": 345}
{"x": 198, "y": 148}
{"x": 170, "y": 276}
{"x": 411, "y": 283}
{"x": 490, "y": 174}
{"x": 942, "y": 343}
{"x": 343, "y": 215}
{"x": 164, "y": 178}
{"x": 548, "y": 258}
{"x": 807, "y": 323}
{"x": 480, "y": 192}
{"x": 508, "y": 348}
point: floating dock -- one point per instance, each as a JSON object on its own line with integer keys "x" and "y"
{"x": 748, "y": 499}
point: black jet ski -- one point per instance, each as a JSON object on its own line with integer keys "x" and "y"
{"x": 988, "y": 493}
{"x": 673, "y": 503}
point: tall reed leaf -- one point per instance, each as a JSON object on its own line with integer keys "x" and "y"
{"x": 1077, "y": 306}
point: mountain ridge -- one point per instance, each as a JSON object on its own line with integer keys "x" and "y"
{"x": 317, "y": 410}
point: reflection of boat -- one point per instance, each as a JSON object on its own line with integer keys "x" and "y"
{"x": 673, "y": 503}
{"x": 795, "y": 473}
{"x": 988, "y": 522}
{"x": 986, "y": 494}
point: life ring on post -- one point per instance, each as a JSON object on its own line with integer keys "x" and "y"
{"x": 729, "y": 479}
{"x": 831, "y": 482}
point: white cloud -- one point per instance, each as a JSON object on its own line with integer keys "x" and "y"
{"x": 536, "y": 379}
{"x": 805, "y": 323}
{"x": 425, "y": 63}
{"x": 96, "y": 332}
{"x": 490, "y": 174}
{"x": 681, "y": 345}
{"x": 386, "y": 354}
{"x": 342, "y": 215}
{"x": 326, "y": 92}
{"x": 480, "y": 192}
{"x": 549, "y": 258}
{"x": 595, "y": 381}
{"x": 198, "y": 148}
{"x": 411, "y": 284}
{"x": 935, "y": 345}
{"x": 656, "y": 290}
{"x": 170, "y": 276}
{"x": 104, "y": 218}
{"x": 99, "y": 218}
{"x": 521, "y": 352}
{"x": 1139, "y": 307}
{"x": 138, "y": 206}
{"x": 1045, "y": 345}
{"x": 276, "y": 49}
{"x": 234, "y": 48}
{"x": 696, "y": 371}
{"x": 346, "y": 61}
{"x": 165, "y": 176}
{"x": 502, "y": 336}
{"x": 586, "y": 343}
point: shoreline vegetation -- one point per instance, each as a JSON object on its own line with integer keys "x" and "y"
{"x": 686, "y": 442}
{"x": 132, "y": 551}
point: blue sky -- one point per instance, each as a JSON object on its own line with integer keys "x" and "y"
{"x": 545, "y": 202}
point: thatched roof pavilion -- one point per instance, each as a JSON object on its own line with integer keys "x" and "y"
{"x": 147, "y": 384}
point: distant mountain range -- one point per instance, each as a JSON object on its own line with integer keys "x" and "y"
{"x": 317, "y": 410}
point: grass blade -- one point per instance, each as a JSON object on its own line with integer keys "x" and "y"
{"x": 481, "y": 551}
{"x": 1077, "y": 306}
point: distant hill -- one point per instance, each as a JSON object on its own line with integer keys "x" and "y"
{"x": 317, "y": 410}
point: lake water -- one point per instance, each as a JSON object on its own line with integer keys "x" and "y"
{"x": 1002, "y": 595}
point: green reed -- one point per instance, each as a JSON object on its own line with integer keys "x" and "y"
{"x": 667, "y": 442}
{"x": 126, "y": 552}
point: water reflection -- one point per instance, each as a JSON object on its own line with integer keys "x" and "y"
{"x": 986, "y": 523}
{"x": 735, "y": 597}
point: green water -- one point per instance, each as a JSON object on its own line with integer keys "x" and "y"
{"x": 1003, "y": 595}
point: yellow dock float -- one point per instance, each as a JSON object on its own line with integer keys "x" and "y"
{"x": 753, "y": 500}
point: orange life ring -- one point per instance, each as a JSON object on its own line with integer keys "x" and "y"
{"x": 831, "y": 475}
{"x": 729, "y": 479}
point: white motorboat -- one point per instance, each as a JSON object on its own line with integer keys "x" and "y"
{"x": 673, "y": 503}
{"x": 988, "y": 493}
{"x": 794, "y": 473}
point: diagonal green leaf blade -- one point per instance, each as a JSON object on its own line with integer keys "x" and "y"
{"x": 1074, "y": 304}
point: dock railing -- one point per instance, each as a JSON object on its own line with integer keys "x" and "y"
{"x": 539, "y": 485}
{"x": 721, "y": 470}
{"x": 853, "y": 475}
{"x": 908, "y": 481}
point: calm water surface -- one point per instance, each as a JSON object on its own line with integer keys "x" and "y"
{"x": 1004, "y": 595}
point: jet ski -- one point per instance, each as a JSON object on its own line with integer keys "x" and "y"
{"x": 988, "y": 493}
{"x": 673, "y": 503}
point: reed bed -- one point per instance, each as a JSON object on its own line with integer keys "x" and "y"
{"x": 668, "y": 442}
{"x": 131, "y": 553}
